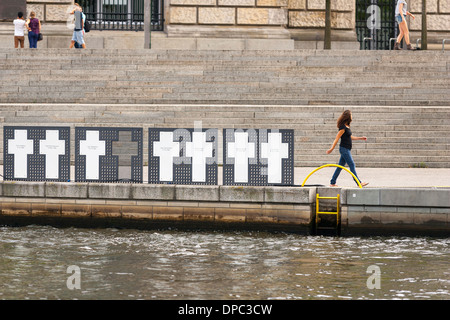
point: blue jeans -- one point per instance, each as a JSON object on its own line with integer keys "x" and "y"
{"x": 33, "y": 39}
{"x": 346, "y": 158}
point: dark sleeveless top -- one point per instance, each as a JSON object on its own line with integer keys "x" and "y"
{"x": 34, "y": 25}
{"x": 346, "y": 138}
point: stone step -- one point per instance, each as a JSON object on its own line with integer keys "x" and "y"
{"x": 377, "y": 158}
{"x": 258, "y": 77}
{"x": 400, "y": 121}
{"x": 298, "y": 101}
{"x": 336, "y": 98}
{"x": 305, "y": 145}
{"x": 304, "y": 110}
{"x": 317, "y": 90}
{"x": 351, "y": 63}
{"x": 226, "y": 92}
{"x": 386, "y": 55}
{"x": 234, "y": 118}
{"x": 386, "y": 164}
{"x": 328, "y": 113}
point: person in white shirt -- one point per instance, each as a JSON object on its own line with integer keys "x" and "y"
{"x": 401, "y": 12}
{"x": 19, "y": 27}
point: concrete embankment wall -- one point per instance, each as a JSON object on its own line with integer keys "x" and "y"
{"x": 291, "y": 209}
{"x": 396, "y": 211}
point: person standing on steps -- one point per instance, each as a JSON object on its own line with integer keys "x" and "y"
{"x": 345, "y": 147}
{"x": 400, "y": 16}
{"x": 77, "y": 45}
{"x": 79, "y": 26}
{"x": 19, "y": 28}
{"x": 34, "y": 28}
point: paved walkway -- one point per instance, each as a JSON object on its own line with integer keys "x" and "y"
{"x": 379, "y": 177}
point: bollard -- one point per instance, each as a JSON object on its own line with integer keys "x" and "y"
{"x": 390, "y": 40}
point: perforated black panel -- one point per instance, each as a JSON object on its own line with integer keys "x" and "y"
{"x": 122, "y": 160}
{"x": 257, "y": 166}
{"x": 180, "y": 164}
{"x": 34, "y": 160}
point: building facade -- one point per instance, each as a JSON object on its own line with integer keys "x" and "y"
{"x": 233, "y": 24}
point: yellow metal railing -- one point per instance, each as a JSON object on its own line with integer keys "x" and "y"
{"x": 332, "y": 165}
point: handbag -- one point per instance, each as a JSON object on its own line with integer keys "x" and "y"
{"x": 40, "y": 37}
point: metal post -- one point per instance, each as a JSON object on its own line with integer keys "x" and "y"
{"x": 364, "y": 41}
{"x": 147, "y": 24}
{"x": 390, "y": 41}
{"x": 424, "y": 40}
{"x": 327, "y": 39}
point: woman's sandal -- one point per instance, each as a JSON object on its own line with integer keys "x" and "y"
{"x": 364, "y": 184}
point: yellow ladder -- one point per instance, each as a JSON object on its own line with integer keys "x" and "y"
{"x": 318, "y": 212}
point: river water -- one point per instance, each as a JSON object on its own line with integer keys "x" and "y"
{"x": 38, "y": 262}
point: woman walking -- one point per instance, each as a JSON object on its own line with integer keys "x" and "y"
{"x": 34, "y": 28}
{"x": 400, "y": 16}
{"x": 345, "y": 147}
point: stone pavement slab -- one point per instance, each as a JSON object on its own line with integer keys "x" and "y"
{"x": 379, "y": 177}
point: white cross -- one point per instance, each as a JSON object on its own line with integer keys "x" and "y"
{"x": 199, "y": 150}
{"x": 52, "y": 147}
{"x": 241, "y": 150}
{"x": 274, "y": 150}
{"x": 20, "y": 147}
{"x": 92, "y": 148}
{"x": 166, "y": 149}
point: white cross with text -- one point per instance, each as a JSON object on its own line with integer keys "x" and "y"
{"x": 20, "y": 147}
{"x": 52, "y": 147}
{"x": 241, "y": 150}
{"x": 166, "y": 149}
{"x": 274, "y": 150}
{"x": 92, "y": 148}
{"x": 199, "y": 150}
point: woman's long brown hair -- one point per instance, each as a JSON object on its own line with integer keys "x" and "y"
{"x": 344, "y": 119}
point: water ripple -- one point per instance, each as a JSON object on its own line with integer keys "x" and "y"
{"x": 132, "y": 264}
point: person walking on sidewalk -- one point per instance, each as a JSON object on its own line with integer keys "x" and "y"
{"x": 34, "y": 28}
{"x": 19, "y": 28}
{"x": 400, "y": 16}
{"x": 345, "y": 147}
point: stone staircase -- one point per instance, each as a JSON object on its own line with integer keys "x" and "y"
{"x": 399, "y": 100}
{"x": 294, "y": 77}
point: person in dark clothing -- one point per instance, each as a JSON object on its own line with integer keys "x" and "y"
{"x": 345, "y": 147}
{"x": 34, "y": 28}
